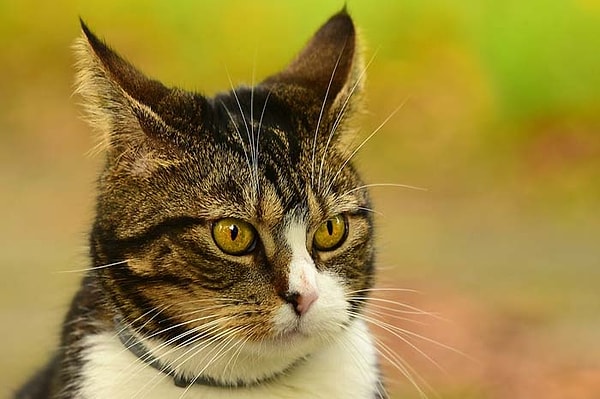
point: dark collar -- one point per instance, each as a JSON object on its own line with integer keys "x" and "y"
{"x": 136, "y": 347}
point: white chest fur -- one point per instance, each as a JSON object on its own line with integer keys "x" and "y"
{"x": 345, "y": 369}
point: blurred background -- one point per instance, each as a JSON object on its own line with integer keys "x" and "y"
{"x": 500, "y": 123}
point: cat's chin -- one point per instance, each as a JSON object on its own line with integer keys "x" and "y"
{"x": 273, "y": 357}
{"x": 255, "y": 362}
{"x": 292, "y": 336}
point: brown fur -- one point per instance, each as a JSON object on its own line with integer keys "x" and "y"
{"x": 178, "y": 161}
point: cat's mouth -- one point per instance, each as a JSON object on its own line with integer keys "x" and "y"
{"x": 302, "y": 331}
{"x": 292, "y": 334}
{"x": 294, "y": 330}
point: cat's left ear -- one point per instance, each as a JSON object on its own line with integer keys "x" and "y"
{"x": 327, "y": 74}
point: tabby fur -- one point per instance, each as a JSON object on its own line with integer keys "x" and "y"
{"x": 275, "y": 155}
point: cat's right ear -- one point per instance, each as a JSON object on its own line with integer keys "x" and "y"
{"x": 327, "y": 73}
{"x": 129, "y": 110}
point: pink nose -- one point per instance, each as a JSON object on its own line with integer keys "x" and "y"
{"x": 301, "y": 302}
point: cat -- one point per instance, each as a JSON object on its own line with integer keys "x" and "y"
{"x": 232, "y": 250}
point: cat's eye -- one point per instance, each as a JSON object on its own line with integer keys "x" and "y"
{"x": 331, "y": 233}
{"x": 234, "y": 236}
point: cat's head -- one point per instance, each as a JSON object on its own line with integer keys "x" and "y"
{"x": 234, "y": 217}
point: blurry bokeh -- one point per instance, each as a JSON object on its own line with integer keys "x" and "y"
{"x": 500, "y": 123}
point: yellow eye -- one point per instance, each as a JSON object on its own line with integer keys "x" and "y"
{"x": 234, "y": 236}
{"x": 330, "y": 234}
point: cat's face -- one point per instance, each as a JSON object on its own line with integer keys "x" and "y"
{"x": 235, "y": 217}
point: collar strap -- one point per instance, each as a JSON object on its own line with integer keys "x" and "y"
{"x": 135, "y": 346}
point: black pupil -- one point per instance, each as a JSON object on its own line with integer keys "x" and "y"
{"x": 234, "y": 231}
{"x": 330, "y": 227}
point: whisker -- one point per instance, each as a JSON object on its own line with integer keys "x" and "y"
{"x": 397, "y": 362}
{"x": 249, "y": 130}
{"x": 181, "y": 324}
{"x": 262, "y": 114}
{"x": 412, "y": 309}
{"x": 392, "y": 315}
{"x": 312, "y": 167}
{"x": 365, "y": 186}
{"x": 400, "y": 332}
{"x": 94, "y": 267}
{"x": 397, "y": 332}
{"x": 239, "y": 104}
{"x": 141, "y": 362}
{"x": 254, "y": 145}
{"x": 198, "y": 328}
{"x": 365, "y": 141}
{"x": 364, "y": 208}
{"x": 411, "y": 290}
{"x": 200, "y": 346}
{"x": 185, "y": 333}
{"x": 130, "y": 324}
{"x": 237, "y": 130}
{"x": 341, "y": 114}
{"x": 404, "y": 367}
{"x": 353, "y": 351}
{"x": 194, "y": 341}
{"x": 236, "y": 355}
{"x": 194, "y": 344}
{"x": 418, "y": 312}
{"x": 220, "y": 349}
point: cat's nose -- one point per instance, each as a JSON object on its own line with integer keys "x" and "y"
{"x": 301, "y": 302}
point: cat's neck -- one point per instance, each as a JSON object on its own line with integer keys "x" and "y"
{"x": 351, "y": 359}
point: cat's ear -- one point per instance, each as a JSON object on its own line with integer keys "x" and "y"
{"x": 328, "y": 69}
{"x": 134, "y": 114}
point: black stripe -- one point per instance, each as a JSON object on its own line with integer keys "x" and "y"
{"x": 152, "y": 233}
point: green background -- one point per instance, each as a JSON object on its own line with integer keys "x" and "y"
{"x": 500, "y": 122}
